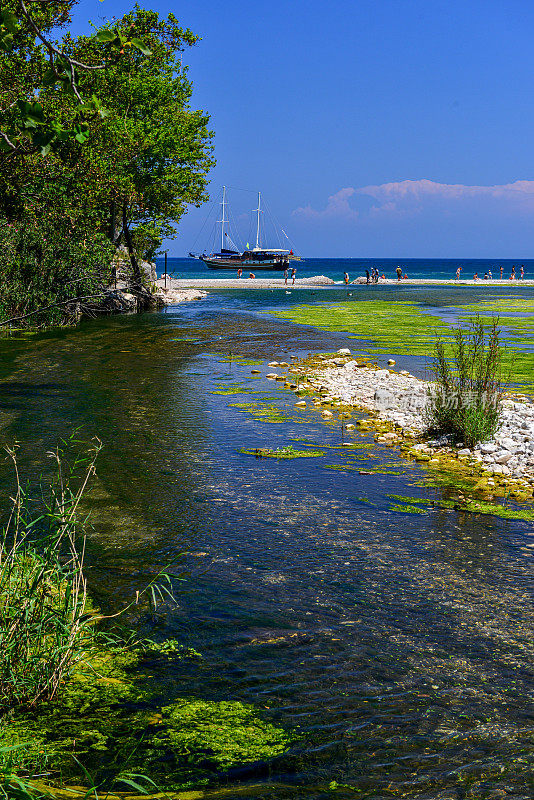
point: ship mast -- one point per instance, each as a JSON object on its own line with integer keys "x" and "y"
{"x": 258, "y": 209}
{"x": 223, "y": 220}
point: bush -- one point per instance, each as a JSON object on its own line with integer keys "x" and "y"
{"x": 49, "y": 265}
{"x": 466, "y": 399}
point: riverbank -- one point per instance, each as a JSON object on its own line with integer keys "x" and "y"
{"x": 174, "y": 284}
{"x": 400, "y": 399}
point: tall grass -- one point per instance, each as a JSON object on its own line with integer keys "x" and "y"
{"x": 45, "y": 623}
{"x": 466, "y": 399}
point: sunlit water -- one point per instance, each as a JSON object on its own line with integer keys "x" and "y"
{"x": 398, "y": 646}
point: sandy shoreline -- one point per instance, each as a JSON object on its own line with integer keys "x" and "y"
{"x": 320, "y": 281}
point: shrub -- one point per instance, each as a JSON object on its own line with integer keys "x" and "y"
{"x": 465, "y": 401}
{"x": 48, "y": 266}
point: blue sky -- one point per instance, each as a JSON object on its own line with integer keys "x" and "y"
{"x": 374, "y": 128}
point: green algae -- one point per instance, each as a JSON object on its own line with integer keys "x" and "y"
{"x": 407, "y": 509}
{"x": 495, "y": 510}
{"x": 234, "y": 390}
{"x": 502, "y": 304}
{"x": 262, "y": 412}
{"x": 410, "y": 500}
{"x": 281, "y": 452}
{"x": 239, "y": 360}
{"x": 470, "y": 505}
{"x": 403, "y": 328}
{"x": 396, "y": 327}
{"x": 83, "y": 720}
{"x": 225, "y": 734}
{"x": 103, "y": 720}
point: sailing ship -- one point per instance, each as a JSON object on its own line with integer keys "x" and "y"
{"x": 257, "y": 257}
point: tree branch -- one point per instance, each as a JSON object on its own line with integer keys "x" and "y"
{"x": 51, "y": 47}
{"x": 8, "y": 141}
{"x": 52, "y": 305}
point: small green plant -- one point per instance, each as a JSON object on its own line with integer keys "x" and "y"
{"x": 465, "y": 401}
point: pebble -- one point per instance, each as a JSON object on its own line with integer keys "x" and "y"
{"x": 399, "y": 397}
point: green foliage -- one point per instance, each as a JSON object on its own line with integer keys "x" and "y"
{"x": 151, "y": 153}
{"x": 147, "y": 239}
{"x": 23, "y": 30}
{"x": 50, "y": 262}
{"x": 130, "y": 169}
{"x": 466, "y": 399}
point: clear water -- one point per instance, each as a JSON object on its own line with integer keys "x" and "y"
{"x": 398, "y": 646}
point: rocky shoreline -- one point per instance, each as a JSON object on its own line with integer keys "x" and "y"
{"x": 398, "y": 400}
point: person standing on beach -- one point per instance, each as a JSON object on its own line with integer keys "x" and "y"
{"x": 458, "y": 273}
{"x": 239, "y": 272}
{"x": 286, "y": 275}
{"x": 512, "y": 276}
{"x": 522, "y": 272}
{"x": 399, "y": 273}
{"x": 293, "y": 275}
{"x": 368, "y": 276}
{"x": 490, "y": 276}
{"x": 502, "y": 270}
{"x": 346, "y": 278}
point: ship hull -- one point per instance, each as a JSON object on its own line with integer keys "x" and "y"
{"x": 244, "y": 265}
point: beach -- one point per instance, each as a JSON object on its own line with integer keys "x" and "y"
{"x": 206, "y": 284}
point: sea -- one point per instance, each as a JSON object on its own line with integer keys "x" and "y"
{"x": 438, "y": 268}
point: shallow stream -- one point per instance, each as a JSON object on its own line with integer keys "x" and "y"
{"x": 397, "y": 646}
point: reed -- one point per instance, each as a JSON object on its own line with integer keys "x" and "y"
{"x": 46, "y": 622}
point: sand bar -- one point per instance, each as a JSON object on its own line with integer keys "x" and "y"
{"x": 320, "y": 281}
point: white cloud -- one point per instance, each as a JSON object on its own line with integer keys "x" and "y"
{"x": 337, "y": 207}
{"x": 412, "y": 197}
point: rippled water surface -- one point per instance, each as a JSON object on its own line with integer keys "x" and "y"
{"x": 397, "y": 645}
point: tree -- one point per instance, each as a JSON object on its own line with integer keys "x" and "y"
{"x": 34, "y": 61}
{"x": 141, "y": 164}
{"x": 149, "y": 157}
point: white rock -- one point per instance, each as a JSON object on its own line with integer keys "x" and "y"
{"x": 344, "y": 351}
{"x": 488, "y": 447}
{"x": 503, "y": 457}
